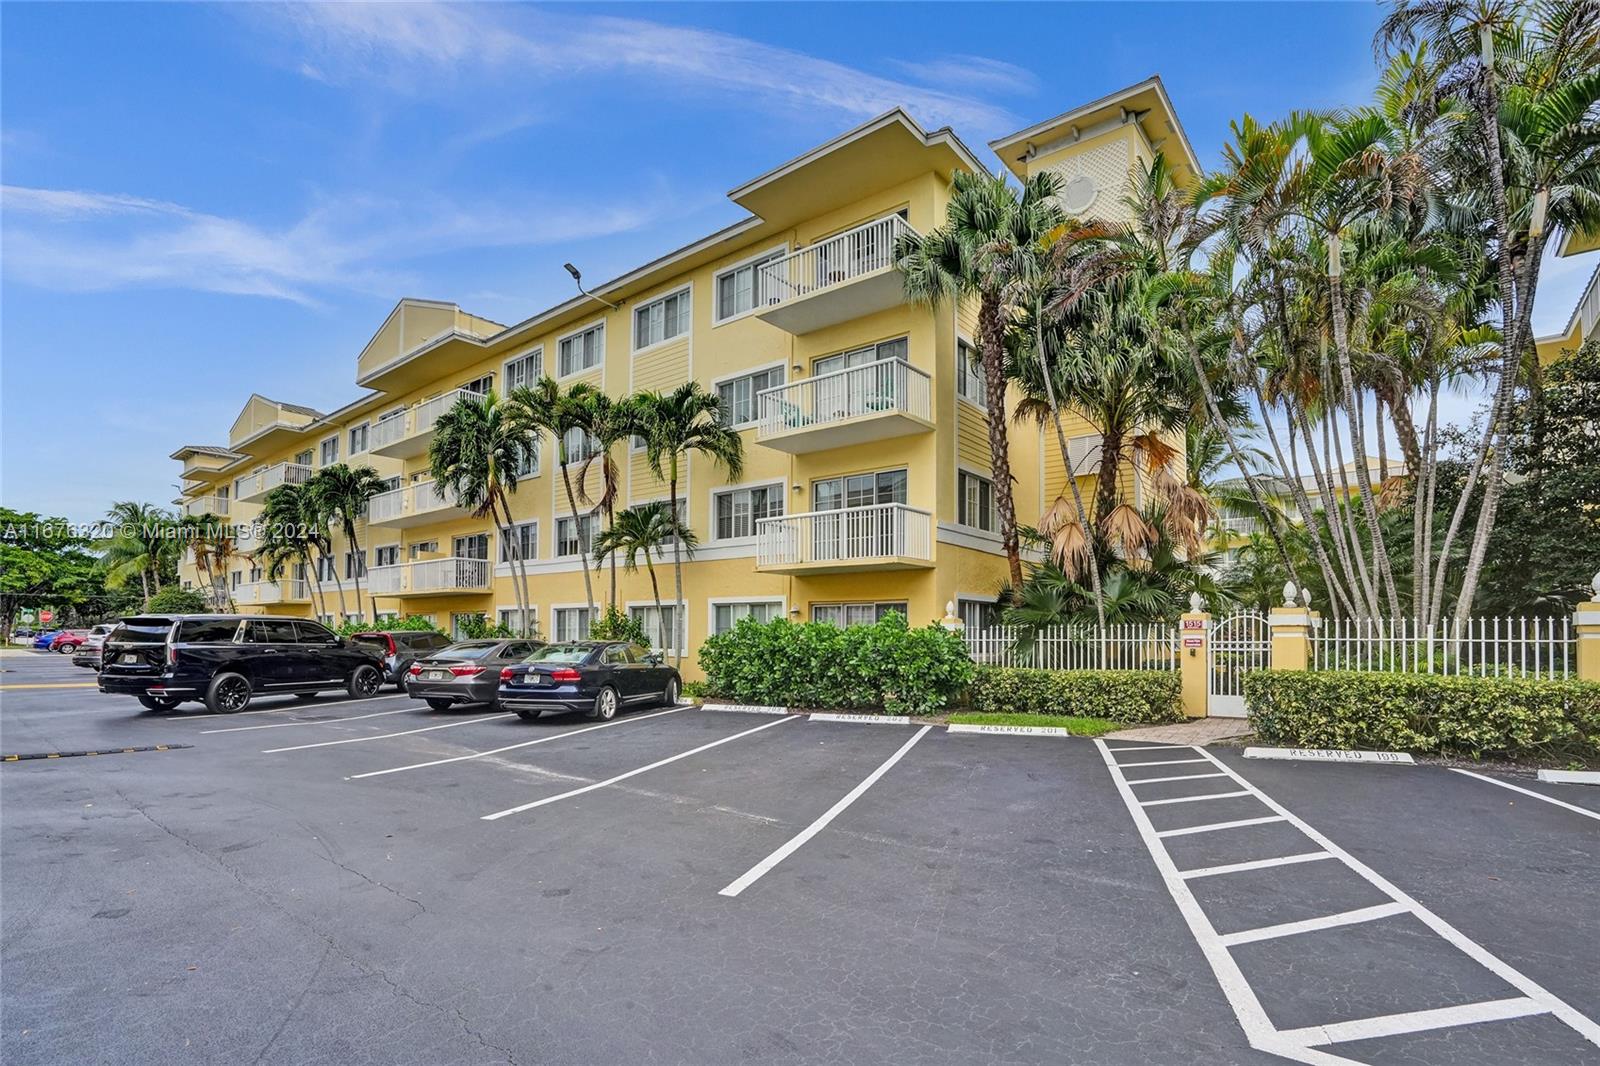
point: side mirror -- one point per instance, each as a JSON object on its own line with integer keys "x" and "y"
{"x": 655, "y": 658}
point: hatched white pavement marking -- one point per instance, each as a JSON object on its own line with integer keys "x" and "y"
{"x": 1573, "y": 807}
{"x": 513, "y": 747}
{"x": 634, "y": 773}
{"x": 1254, "y": 864}
{"x": 1178, "y": 777}
{"x": 1300, "y": 1044}
{"x": 1163, "y": 762}
{"x": 1311, "y": 925}
{"x": 1191, "y": 799}
{"x": 1212, "y": 827}
{"x": 307, "y": 721}
{"x": 760, "y": 869}
{"x": 297, "y": 705}
{"x": 388, "y": 736}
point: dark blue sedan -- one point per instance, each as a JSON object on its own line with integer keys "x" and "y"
{"x": 597, "y": 676}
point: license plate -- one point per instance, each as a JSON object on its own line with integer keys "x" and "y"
{"x": 436, "y": 675}
{"x": 130, "y": 660}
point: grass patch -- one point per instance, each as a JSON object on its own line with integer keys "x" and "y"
{"x": 1078, "y": 727}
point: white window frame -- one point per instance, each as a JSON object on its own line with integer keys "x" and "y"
{"x": 726, "y": 379}
{"x": 511, "y": 608}
{"x": 600, "y": 365}
{"x": 741, "y": 601}
{"x": 874, "y": 604}
{"x": 591, "y": 445}
{"x": 535, "y": 353}
{"x": 744, "y": 486}
{"x": 309, "y": 453}
{"x": 981, "y": 400}
{"x": 966, "y": 472}
{"x": 366, "y": 438}
{"x": 633, "y": 319}
{"x": 505, "y": 544}
{"x": 559, "y": 609}
{"x": 680, "y": 624}
{"x": 322, "y": 446}
{"x": 379, "y": 549}
{"x": 755, "y": 261}
{"x": 578, "y": 527}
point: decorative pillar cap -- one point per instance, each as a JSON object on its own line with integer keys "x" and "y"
{"x": 1197, "y": 604}
{"x": 1289, "y": 593}
{"x": 952, "y": 621}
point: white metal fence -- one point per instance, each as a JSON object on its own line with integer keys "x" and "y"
{"x": 1484, "y": 647}
{"x": 1116, "y": 647}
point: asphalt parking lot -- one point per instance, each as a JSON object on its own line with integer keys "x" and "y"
{"x": 368, "y": 881}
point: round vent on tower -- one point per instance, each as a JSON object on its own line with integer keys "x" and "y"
{"x": 1078, "y": 194}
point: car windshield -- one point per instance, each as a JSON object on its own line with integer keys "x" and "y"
{"x": 377, "y": 640}
{"x": 475, "y": 650}
{"x": 560, "y": 653}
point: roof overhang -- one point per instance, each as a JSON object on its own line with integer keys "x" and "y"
{"x": 1146, "y": 103}
{"x": 1576, "y": 242}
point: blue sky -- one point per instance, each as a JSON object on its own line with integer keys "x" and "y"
{"x": 205, "y": 201}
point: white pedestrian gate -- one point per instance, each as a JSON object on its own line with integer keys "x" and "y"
{"x": 1238, "y": 644}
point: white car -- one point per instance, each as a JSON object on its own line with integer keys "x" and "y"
{"x": 88, "y": 653}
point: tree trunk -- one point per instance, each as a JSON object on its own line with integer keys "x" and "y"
{"x": 1072, "y": 475}
{"x": 513, "y": 553}
{"x": 1105, "y": 488}
{"x": 1297, "y": 492}
{"x": 360, "y": 564}
{"x": 991, "y": 336}
{"x": 1358, "y": 437}
{"x": 583, "y": 553}
{"x": 655, "y": 592}
{"x": 679, "y": 627}
{"x": 1383, "y": 445}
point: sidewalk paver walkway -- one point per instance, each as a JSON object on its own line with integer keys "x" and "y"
{"x": 1194, "y": 731}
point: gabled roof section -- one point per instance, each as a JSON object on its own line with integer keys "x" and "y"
{"x": 191, "y": 450}
{"x": 263, "y": 424}
{"x": 1146, "y": 103}
{"x": 415, "y": 324}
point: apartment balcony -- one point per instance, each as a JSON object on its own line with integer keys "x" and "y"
{"x": 884, "y": 536}
{"x": 409, "y": 434}
{"x": 255, "y": 488}
{"x": 258, "y": 593}
{"x": 430, "y": 577}
{"x": 204, "y": 505}
{"x": 877, "y": 401}
{"x": 844, "y": 277}
{"x": 1239, "y": 526}
{"x": 418, "y": 504}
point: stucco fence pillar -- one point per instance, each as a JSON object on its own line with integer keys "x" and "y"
{"x": 1194, "y": 658}
{"x": 1586, "y": 622}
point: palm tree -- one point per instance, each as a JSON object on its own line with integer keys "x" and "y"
{"x": 343, "y": 492}
{"x": 963, "y": 259}
{"x": 286, "y": 541}
{"x": 610, "y": 423}
{"x": 481, "y": 447}
{"x": 644, "y": 531}
{"x": 547, "y": 406}
{"x": 675, "y": 426}
{"x": 141, "y": 545}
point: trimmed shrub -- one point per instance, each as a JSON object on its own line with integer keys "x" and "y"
{"x": 175, "y": 599}
{"x": 410, "y": 623}
{"x": 1473, "y": 716}
{"x": 1130, "y": 696}
{"x": 885, "y": 666}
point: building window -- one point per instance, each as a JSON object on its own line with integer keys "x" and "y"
{"x": 358, "y": 439}
{"x": 471, "y": 546}
{"x": 575, "y": 536}
{"x": 872, "y": 353}
{"x": 388, "y": 555}
{"x": 978, "y": 615}
{"x": 724, "y": 616}
{"x": 355, "y": 564}
{"x": 255, "y": 574}
{"x": 579, "y": 444}
{"x": 736, "y": 511}
{"x": 526, "y": 538}
{"x": 325, "y": 568}
{"x": 859, "y": 490}
{"x": 461, "y": 620}
{"x": 386, "y": 616}
{"x": 975, "y": 501}
{"x": 741, "y": 405}
{"x": 661, "y": 320}
{"x": 970, "y": 384}
{"x": 479, "y": 386}
{"x": 740, "y": 289}
{"x": 524, "y": 370}
{"x": 659, "y": 626}
{"x": 330, "y": 451}
{"x": 572, "y": 623}
{"x": 511, "y": 618}
{"x": 582, "y": 351}
{"x": 853, "y": 614}
{"x": 303, "y": 458}
{"x": 237, "y": 578}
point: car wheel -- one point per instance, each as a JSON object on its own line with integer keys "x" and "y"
{"x": 67, "y": 649}
{"x": 670, "y": 696}
{"x": 605, "y": 705}
{"x": 440, "y": 705}
{"x": 158, "y": 703}
{"x": 364, "y": 681}
{"x": 228, "y": 693}
{"x": 528, "y": 714}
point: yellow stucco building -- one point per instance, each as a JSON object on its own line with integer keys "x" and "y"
{"x": 866, "y": 475}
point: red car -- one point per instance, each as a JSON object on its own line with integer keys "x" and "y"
{"x": 67, "y": 641}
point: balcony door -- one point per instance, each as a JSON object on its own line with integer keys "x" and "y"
{"x": 848, "y": 395}
{"x": 850, "y": 533}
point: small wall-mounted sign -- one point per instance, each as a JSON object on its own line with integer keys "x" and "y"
{"x": 1193, "y": 642}
{"x": 1194, "y": 623}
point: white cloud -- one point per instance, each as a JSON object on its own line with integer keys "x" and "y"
{"x": 75, "y": 240}
{"x": 393, "y": 43}
{"x": 976, "y": 73}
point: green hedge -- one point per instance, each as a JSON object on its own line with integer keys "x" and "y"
{"x": 1131, "y": 696}
{"x": 884, "y": 666}
{"x": 1473, "y": 716}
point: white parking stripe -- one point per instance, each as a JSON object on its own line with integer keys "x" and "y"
{"x": 1152, "y": 747}
{"x": 1574, "y": 808}
{"x": 512, "y": 747}
{"x": 634, "y": 773}
{"x": 1178, "y": 777}
{"x": 1163, "y": 762}
{"x": 298, "y": 705}
{"x": 308, "y": 721}
{"x": 1311, "y": 925}
{"x": 1214, "y": 826}
{"x": 387, "y": 736}
{"x": 1192, "y": 799}
{"x": 1254, "y": 864}
{"x": 1496, "y": 1010}
{"x": 760, "y": 869}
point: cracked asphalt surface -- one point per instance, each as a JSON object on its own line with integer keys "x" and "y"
{"x": 987, "y": 900}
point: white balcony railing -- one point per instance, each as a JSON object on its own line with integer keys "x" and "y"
{"x": 1241, "y": 525}
{"x": 285, "y": 591}
{"x": 204, "y": 505}
{"x": 888, "y": 386}
{"x": 426, "y": 413}
{"x": 260, "y": 483}
{"x": 883, "y": 531}
{"x": 410, "y": 502}
{"x": 391, "y": 430}
{"x": 838, "y": 260}
{"x": 387, "y": 506}
{"x": 432, "y": 575}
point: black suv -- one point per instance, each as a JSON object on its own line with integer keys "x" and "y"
{"x": 225, "y": 660}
